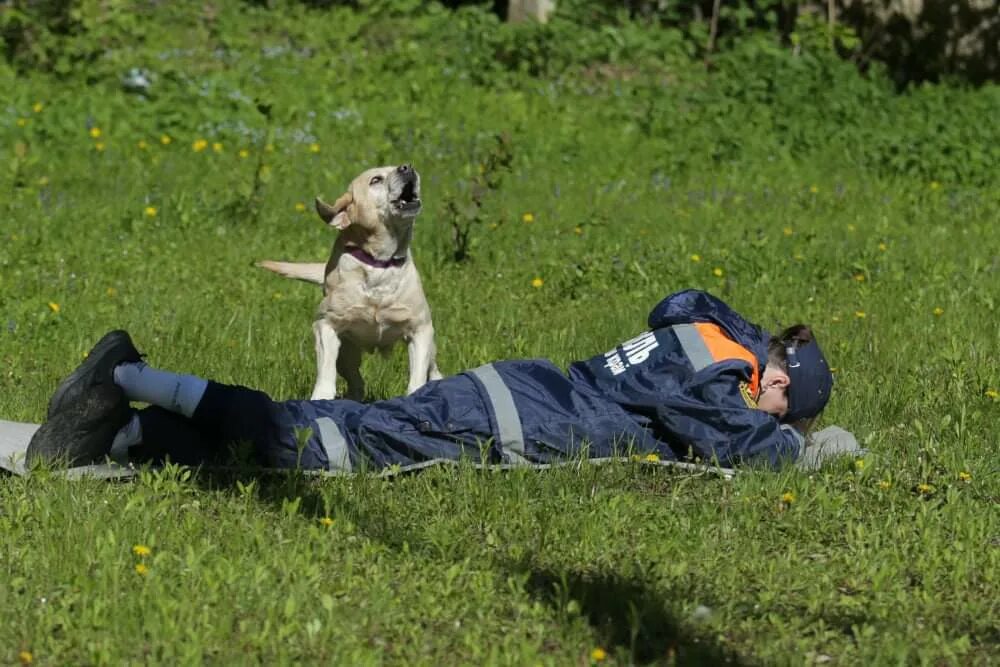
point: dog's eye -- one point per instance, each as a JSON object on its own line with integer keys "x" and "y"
{"x": 375, "y": 180}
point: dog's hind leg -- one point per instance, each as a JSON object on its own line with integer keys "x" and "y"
{"x": 349, "y": 367}
{"x": 327, "y": 351}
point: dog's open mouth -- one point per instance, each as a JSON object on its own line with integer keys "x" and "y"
{"x": 408, "y": 202}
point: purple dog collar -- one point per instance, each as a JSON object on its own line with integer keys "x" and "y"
{"x": 365, "y": 258}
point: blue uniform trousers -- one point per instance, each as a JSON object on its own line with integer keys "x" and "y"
{"x": 507, "y": 412}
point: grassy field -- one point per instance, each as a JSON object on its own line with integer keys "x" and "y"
{"x": 789, "y": 186}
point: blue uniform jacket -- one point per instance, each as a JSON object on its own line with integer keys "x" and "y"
{"x": 685, "y": 388}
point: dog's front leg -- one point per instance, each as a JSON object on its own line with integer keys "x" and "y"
{"x": 432, "y": 367}
{"x": 327, "y": 349}
{"x": 422, "y": 353}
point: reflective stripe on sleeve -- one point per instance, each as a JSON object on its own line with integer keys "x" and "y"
{"x": 334, "y": 445}
{"x": 508, "y": 420}
{"x": 693, "y": 345}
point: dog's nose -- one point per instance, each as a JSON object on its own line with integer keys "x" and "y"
{"x": 404, "y": 168}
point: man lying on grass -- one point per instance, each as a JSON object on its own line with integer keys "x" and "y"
{"x": 702, "y": 383}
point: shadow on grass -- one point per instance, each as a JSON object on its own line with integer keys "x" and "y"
{"x": 624, "y": 612}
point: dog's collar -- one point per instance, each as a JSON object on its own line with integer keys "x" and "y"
{"x": 366, "y": 257}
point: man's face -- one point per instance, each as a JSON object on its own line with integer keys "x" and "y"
{"x": 773, "y": 397}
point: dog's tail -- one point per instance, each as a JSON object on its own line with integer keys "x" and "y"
{"x": 311, "y": 273}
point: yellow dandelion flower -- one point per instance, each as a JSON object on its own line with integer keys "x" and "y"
{"x": 788, "y": 497}
{"x": 150, "y": 211}
{"x": 142, "y": 145}
{"x": 54, "y": 307}
{"x": 199, "y": 145}
{"x": 598, "y": 654}
{"x": 99, "y": 146}
{"x": 859, "y": 464}
{"x": 883, "y": 247}
{"x": 934, "y": 185}
{"x": 165, "y": 139}
{"x": 528, "y": 218}
{"x": 814, "y": 189}
{"x": 696, "y": 257}
{"x": 578, "y": 230}
{"x": 141, "y": 550}
{"x": 95, "y": 133}
{"x": 217, "y": 147}
{"x": 885, "y": 485}
{"x": 300, "y": 207}
{"x": 652, "y": 457}
{"x": 787, "y": 231}
{"x": 493, "y": 225}
{"x": 112, "y": 292}
{"x": 37, "y": 107}
{"x": 860, "y": 314}
{"x": 25, "y": 657}
{"x": 965, "y": 476}
{"x": 244, "y": 154}
{"x": 851, "y": 228}
{"x": 717, "y": 272}
{"x": 834, "y": 369}
{"x": 537, "y": 282}
{"x": 326, "y": 521}
{"x": 939, "y": 311}
{"x": 314, "y": 148}
{"x": 141, "y": 569}
{"x": 21, "y": 122}
{"x": 925, "y": 488}
{"x": 860, "y": 277}
{"x": 993, "y": 393}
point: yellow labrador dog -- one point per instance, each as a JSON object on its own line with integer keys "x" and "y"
{"x": 373, "y": 297}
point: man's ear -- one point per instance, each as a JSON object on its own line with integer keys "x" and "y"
{"x": 779, "y": 380}
{"x": 336, "y": 215}
{"x": 773, "y": 376}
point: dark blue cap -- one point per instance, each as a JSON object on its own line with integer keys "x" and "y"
{"x": 810, "y": 381}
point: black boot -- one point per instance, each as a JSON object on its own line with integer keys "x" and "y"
{"x": 81, "y": 432}
{"x": 98, "y": 368}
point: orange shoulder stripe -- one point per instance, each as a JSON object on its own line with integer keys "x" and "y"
{"x": 723, "y": 348}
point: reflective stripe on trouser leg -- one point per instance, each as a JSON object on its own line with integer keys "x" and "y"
{"x": 693, "y": 345}
{"x": 508, "y": 420}
{"x": 334, "y": 445}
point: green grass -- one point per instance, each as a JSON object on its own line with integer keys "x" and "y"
{"x": 892, "y": 560}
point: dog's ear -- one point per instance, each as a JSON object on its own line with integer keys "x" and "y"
{"x": 336, "y": 215}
